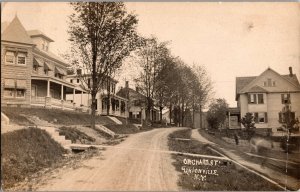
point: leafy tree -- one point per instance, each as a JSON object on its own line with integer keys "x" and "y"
{"x": 102, "y": 34}
{"x": 216, "y": 115}
{"x": 249, "y": 124}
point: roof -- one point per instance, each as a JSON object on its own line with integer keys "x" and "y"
{"x": 15, "y": 32}
{"x": 38, "y": 33}
{"x": 123, "y": 92}
{"x": 241, "y": 82}
{"x": 51, "y": 55}
{"x": 257, "y": 89}
{"x": 4, "y": 25}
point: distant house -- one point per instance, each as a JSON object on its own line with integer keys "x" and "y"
{"x": 137, "y": 103}
{"x": 31, "y": 75}
{"x": 117, "y": 104}
{"x": 265, "y": 96}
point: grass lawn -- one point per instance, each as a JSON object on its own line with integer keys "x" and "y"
{"x": 221, "y": 175}
{"x": 55, "y": 116}
{"x": 291, "y": 169}
{"x": 25, "y": 152}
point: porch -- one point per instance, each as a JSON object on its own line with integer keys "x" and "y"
{"x": 233, "y": 118}
{"x": 51, "y": 93}
{"x": 117, "y": 106}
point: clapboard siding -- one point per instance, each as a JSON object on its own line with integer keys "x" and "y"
{"x": 17, "y": 72}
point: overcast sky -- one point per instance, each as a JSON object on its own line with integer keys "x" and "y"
{"x": 229, "y": 39}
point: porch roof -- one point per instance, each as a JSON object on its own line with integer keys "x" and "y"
{"x": 233, "y": 110}
{"x": 58, "y": 81}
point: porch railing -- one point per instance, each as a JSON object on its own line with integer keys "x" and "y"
{"x": 38, "y": 100}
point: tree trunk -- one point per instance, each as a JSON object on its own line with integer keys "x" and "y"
{"x": 160, "y": 108}
{"x": 148, "y": 111}
{"x": 200, "y": 116}
{"x": 108, "y": 97}
{"x": 182, "y": 114}
{"x": 170, "y": 114}
{"x": 93, "y": 113}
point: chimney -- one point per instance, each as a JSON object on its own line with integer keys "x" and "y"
{"x": 126, "y": 84}
{"x": 291, "y": 71}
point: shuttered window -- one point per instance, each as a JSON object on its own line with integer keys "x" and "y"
{"x": 286, "y": 98}
{"x": 260, "y": 117}
{"x": 256, "y": 98}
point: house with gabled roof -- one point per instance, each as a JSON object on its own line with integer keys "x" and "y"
{"x": 31, "y": 75}
{"x": 265, "y": 96}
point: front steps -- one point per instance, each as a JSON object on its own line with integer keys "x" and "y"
{"x": 58, "y": 138}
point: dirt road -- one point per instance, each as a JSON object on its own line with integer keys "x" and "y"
{"x": 134, "y": 164}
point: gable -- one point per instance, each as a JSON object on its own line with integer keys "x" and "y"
{"x": 257, "y": 89}
{"x": 282, "y": 84}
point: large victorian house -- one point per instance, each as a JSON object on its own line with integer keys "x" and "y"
{"x": 31, "y": 75}
{"x": 265, "y": 96}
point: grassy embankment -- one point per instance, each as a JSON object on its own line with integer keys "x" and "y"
{"x": 25, "y": 152}
{"x": 29, "y": 154}
{"x": 65, "y": 118}
{"x": 228, "y": 176}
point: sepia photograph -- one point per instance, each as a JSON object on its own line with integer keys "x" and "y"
{"x": 150, "y": 96}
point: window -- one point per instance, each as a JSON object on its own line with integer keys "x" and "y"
{"x": 20, "y": 93}
{"x": 35, "y": 68}
{"x": 77, "y": 80}
{"x": 260, "y": 98}
{"x": 284, "y": 116}
{"x": 265, "y": 84}
{"x": 274, "y": 84}
{"x": 260, "y": 117}
{"x": 60, "y": 76}
{"x": 285, "y": 98}
{"x": 46, "y": 71}
{"x": 257, "y": 98}
{"x": 10, "y": 57}
{"x": 21, "y": 59}
{"x": 269, "y": 82}
{"x": 71, "y": 81}
{"x": 8, "y": 92}
{"x": 252, "y": 98}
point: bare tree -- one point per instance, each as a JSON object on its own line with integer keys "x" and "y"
{"x": 150, "y": 56}
{"x": 102, "y": 34}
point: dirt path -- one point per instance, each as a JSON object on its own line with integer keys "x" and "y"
{"x": 132, "y": 165}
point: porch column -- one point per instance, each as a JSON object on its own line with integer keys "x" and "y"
{"x": 81, "y": 98}
{"x": 48, "y": 88}
{"x": 62, "y": 93}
